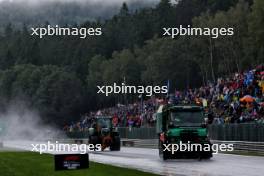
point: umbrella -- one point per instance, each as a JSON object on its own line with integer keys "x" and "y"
{"x": 248, "y": 99}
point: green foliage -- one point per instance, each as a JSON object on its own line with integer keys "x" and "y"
{"x": 60, "y": 92}
{"x": 60, "y": 75}
{"x": 56, "y": 92}
{"x": 256, "y": 32}
{"x": 167, "y": 59}
{"x": 228, "y": 52}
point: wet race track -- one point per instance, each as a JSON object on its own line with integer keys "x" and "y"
{"x": 148, "y": 160}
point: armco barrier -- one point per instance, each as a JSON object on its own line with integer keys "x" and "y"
{"x": 256, "y": 147}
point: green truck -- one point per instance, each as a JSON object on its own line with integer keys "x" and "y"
{"x": 182, "y": 126}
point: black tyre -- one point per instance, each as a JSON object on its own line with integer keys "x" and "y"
{"x": 163, "y": 155}
{"x": 207, "y": 155}
{"x": 160, "y": 149}
{"x": 94, "y": 140}
{"x": 115, "y": 146}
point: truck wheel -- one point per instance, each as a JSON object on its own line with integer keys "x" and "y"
{"x": 93, "y": 140}
{"x": 160, "y": 149}
{"x": 166, "y": 155}
{"x": 163, "y": 155}
{"x": 115, "y": 146}
{"x": 207, "y": 156}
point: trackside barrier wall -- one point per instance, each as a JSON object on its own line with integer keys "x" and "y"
{"x": 138, "y": 133}
{"x": 225, "y": 132}
{"x": 237, "y": 132}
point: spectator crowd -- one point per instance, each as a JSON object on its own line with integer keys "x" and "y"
{"x": 235, "y": 99}
{"x": 132, "y": 115}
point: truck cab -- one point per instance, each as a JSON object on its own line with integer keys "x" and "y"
{"x": 181, "y": 124}
{"x": 102, "y": 132}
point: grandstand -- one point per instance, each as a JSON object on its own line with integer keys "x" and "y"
{"x": 235, "y": 99}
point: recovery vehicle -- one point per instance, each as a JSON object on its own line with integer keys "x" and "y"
{"x": 102, "y": 132}
{"x": 178, "y": 124}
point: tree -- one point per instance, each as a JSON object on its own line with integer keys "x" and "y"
{"x": 206, "y": 46}
{"x": 59, "y": 95}
{"x": 8, "y": 30}
{"x": 94, "y": 79}
{"x": 164, "y": 16}
{"x": 166, "y": 59}
{"x": 224, "y": 54}
{"x": 256, "y": 32}
{"x": 7, "y": 61}
{"x": 124, "y": 10}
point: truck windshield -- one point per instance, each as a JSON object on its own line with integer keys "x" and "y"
{"x": 186, "y": 118}
{"x": 104, "y": 122}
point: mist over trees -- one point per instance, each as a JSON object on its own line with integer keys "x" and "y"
{"x": 62, "y": 12}
{"x": 58, "y": 75}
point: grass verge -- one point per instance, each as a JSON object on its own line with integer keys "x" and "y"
{"x": 34, "y": 164}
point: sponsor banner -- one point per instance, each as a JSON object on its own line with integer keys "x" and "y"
{"x": 71, "y": 161}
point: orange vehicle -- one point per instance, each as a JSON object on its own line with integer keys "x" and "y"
{"x": 102, "y": 132}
